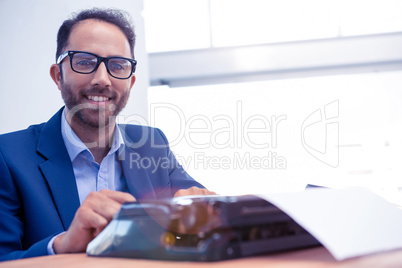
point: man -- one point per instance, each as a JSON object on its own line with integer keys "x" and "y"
{"x": 62, "y": 181}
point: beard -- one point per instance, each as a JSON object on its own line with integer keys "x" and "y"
{"x": 93, "y": 116}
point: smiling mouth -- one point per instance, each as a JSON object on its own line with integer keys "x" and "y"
{"x": 98, "y": 98}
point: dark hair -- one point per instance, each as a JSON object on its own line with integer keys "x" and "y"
{"x": 117, "y": 17}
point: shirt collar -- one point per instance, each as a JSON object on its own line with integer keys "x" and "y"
{"x": 74, "y": 144}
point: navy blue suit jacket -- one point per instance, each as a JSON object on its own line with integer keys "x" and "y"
{"x": 38, "y": 192}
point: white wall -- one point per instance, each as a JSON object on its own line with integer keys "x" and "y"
{"x": 28, "y": 31}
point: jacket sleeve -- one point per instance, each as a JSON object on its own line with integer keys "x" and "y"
{"x": 12, "y": 221}
{"x": 179, "y": 178}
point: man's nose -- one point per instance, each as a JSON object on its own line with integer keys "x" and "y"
{"x": 101, "y": 76}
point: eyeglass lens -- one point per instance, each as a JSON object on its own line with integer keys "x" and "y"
{"x": 86, "y": 63}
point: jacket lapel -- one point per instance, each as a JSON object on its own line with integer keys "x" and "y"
{"x": 58, "y": 170}
{"x": 137, "y": 178}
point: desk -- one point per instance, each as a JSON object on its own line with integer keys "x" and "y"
{"x": 306, "y": 258}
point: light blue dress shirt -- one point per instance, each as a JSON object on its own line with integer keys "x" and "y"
{"x": 89, "y": 175}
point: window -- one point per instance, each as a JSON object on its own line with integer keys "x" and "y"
{"x": 176, "y": 25}
{"x": 333, "y": 123}
{"x": 195, "y": 24}
{"x": 258, "y": 137}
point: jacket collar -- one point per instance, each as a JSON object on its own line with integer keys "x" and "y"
{"x": 138, "y": 181}
{"x": 58, "y": 170}
{"x": 50, "y": 140}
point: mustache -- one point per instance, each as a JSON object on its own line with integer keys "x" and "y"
{"x": 99, "y": 90}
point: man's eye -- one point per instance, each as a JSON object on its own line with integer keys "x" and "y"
{"x": 85, "y": 63}
{"x": 117, "y": 66}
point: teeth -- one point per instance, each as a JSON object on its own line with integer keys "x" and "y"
{"x": 98, "y": 98}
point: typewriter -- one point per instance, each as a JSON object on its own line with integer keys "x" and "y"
{"x": 199, "y": 228}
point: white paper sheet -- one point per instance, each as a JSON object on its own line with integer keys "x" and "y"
{"x": 348, "y": 222}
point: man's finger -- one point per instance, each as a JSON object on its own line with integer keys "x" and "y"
{"x": 193, "y": 191}
{"x": 119, "y": 197}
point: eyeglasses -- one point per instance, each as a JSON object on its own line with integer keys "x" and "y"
{"x": 85, "y": 63}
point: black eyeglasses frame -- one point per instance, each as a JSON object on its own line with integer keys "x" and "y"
{"x": 100, "y": 59}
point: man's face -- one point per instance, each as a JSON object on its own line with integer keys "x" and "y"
{"x": 95, "y": 99}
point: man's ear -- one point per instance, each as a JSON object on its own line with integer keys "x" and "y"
{"x": 132, "y": 81}
{"x": 56, "y": 74}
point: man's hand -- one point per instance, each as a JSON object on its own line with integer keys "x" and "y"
{"x": 91, "y": 218}
{"x": 193, "y": 191}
